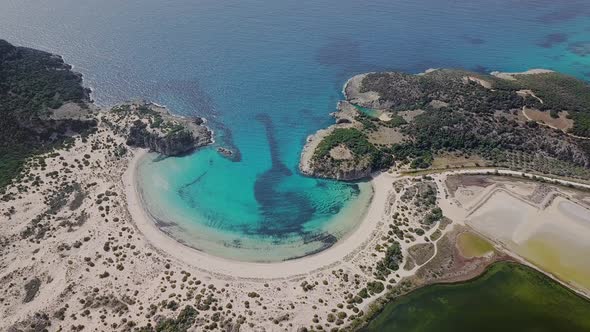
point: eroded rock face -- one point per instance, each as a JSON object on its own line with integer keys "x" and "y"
{"x": 172, "y": 144}
{"x": 150, "y": 126}
{"x": 345, "y": 170}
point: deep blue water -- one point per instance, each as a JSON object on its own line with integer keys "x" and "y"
{"x": 267, "y": 74}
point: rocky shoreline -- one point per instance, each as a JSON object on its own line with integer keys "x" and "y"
{"x": 342, "y": 163}
{"x": 78, "y": 252}
{"x": 348, "y": 169}
{"x": 395, "y": 120}
{"x": 153, "y": 127}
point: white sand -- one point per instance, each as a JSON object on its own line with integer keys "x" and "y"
{"x": 510, "y": 76}
{"x": 217, "y": 265}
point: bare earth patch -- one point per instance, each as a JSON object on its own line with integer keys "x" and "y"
{"x": 453, "y": 182}
{"x": 479, "y": 81}
{"x": 385, "y": 117}
{"x": 510, "y": 76}
{"x": 341, "y": 152}
{"x": 438, "y": 104}
{"x": 410, "y": 115}
{"x": 386, "y": 136}
{"x": 561, "y": 123}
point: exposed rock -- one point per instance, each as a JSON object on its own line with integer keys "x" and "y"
{"x": 150, "y": 126}
{"x": 346, "y": 171}
{"x": 31, "y": 288}
{"x": 233, "y": 155}
{"x": 340, "y": 163}
{"x": 176, "y": 143}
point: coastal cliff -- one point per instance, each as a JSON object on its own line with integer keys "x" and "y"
{"x": 154, "y": 128}
{"x": 341, "y": 151}
{"x": 43, "y": 104}
{"x": 38, "y": 91}
{"x": 79, "y": 252}
{"x": 537, "y": 120}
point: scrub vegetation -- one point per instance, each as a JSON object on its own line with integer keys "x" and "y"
{"x": 477, "y": 114}
{"x": 460, "y": 114}
{"x": 358, "y": 144}
{"x": 33, "y": 84}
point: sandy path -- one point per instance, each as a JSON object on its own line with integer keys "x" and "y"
{"x": 524, "y": 109}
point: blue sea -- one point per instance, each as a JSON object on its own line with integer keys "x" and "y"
{"x": 266, "y": 74}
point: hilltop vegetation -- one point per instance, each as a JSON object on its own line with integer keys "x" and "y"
{"x": 562, "y": 93}
{"x": 414, "y": 119}
{"x": 32, "y": 84}
{"x": 43, "y": 105}
{"x": 357, "y": 143}
{"x": 460, "y": 113}
{"x": 484, "y": 120}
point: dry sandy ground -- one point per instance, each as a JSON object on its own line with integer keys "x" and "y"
{"x": 510, "y": 76}
{"x": 562, "y": 122}
{"x": 542, "y": 225}
{"x": 79, "y": 252}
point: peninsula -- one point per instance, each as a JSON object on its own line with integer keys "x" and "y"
{"x": 535, "y": 121}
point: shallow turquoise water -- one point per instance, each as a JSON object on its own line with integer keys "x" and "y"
{"x": 226, "y": 221}
{"x": 267, "y": 74}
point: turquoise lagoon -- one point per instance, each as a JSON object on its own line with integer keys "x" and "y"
{"x": 220, "y": 215}
{"x": 266, "y": 74}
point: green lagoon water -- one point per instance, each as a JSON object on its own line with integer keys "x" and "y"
{"x": 508, "y": 297}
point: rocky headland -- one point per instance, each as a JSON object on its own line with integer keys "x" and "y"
{"x": 337, "y": 160}
{"x": 152, "y": 127}
{"x": 533, "y": 121}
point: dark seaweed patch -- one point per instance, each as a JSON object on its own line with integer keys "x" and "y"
{"x": 339, "y": 51}
{"x": 553, "y": 39}
{"x": 572, "y": 10}
{"x": 474, "y": 40}
{"x": 581, "y": 48}
{"x": 283, "y": 212}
